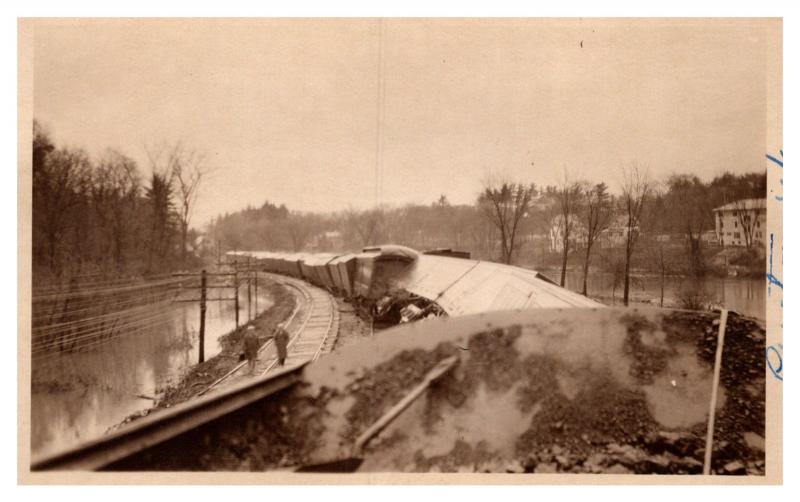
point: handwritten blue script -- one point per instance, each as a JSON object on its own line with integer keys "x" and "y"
{"x": 775, "y": 360}
{"x": 779, "y": 163}
{"x": 774, "y": 353}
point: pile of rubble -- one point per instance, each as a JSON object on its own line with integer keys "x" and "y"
{"x": 397, "y": 306}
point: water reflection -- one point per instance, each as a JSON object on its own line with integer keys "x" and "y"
{"x": 75, "y": 397}
{"x": 744, "y": 295}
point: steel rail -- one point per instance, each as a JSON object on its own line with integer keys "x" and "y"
{"x": 299, "y": 331}
{"x": 244, "y": 363}
{"x": 324, "y": 338}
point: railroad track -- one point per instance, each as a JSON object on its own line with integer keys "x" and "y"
{"x": 318, "y": 330}
{"x": 312, "y": 327}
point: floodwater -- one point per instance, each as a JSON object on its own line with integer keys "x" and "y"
{"x": 744, "y": 295}
{"x": 79, "y": 396}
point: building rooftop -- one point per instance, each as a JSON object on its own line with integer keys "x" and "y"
{"x": 743, "y": 204}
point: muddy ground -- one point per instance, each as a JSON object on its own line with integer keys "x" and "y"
{"x": 606, "y": 391}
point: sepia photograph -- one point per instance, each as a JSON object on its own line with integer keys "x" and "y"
{"x": 419, "y": 249}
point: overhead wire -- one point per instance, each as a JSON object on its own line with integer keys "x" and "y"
{"x": 75, "y": 317}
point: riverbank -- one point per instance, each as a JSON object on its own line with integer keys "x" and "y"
{"x": 204, "y": 374}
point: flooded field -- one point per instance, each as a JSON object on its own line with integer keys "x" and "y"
{"x": 79, "y": 396}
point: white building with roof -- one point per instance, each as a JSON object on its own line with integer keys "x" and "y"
{"x": 741, "y": 223}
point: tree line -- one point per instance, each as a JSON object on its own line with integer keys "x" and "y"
{"x": 102, "y": 218}
{"x": 658, "y": 224}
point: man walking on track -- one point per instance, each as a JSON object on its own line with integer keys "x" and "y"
{"x": 251, "y": 345}
{"x": 281, "y": 341}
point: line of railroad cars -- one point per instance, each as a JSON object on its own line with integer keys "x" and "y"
{"x": 459, "y": 286}
{"x": 366, "y": 274}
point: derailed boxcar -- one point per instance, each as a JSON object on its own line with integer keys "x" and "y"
{"x": 342, "y": 270}
{"x": 377, "y": 266}
{"x": 315, "y": 271}
{"x": 290, "y": 264}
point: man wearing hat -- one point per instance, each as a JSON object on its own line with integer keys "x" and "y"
{"x": 281, "y": 341}
{"x": 251, "y": 346}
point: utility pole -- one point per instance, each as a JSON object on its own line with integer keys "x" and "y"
{"x": 249, "y": 300}
{"x": 236, "y": 295}
{"x": 202, "y": 315}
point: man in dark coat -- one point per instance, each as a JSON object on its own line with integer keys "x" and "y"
{"x": 281, "y": 341}
{"x": 251, "y": 346}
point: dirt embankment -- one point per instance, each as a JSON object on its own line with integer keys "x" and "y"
{"x": 352, "y": 328}
{"x": 517, "y": 402}
{"x": 604, "y": 426}
{"x": 204, "y": 374}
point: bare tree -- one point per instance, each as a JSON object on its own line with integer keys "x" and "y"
{"x": 114, "y": 192}
{"x": 747, "y": 217}
{"x": 568, "y": 200}
{"x": 656, "y": 220}
{"x": 300, "y": 227}
{"x": 364, "y": 226}
{"x": 597, "y": 213}
{"x": 636, "y": 188}
{"x": 160, "y": 213}
{"x": 188, "y": 167}
{"x": 504, "y": 203}
{"x": 184, "y": 169}
{"x": 60, "y": 180}
{"x": 689, "y": 207}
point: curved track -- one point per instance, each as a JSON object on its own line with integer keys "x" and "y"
{"x": 312, "y": 327}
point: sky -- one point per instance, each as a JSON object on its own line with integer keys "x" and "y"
{"x": 328, "y": 114}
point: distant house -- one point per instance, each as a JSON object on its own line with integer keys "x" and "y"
{"x": 577, "y": 235}
{"x": 741, "y": 223}
{"x": 616, "y": 234}
{"x": 327, "y": 241}
{"x": 709, "y": 237}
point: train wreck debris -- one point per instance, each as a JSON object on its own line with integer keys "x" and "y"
{"x": 399, "y": 307}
